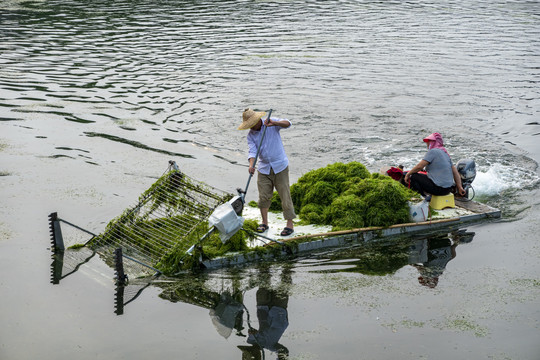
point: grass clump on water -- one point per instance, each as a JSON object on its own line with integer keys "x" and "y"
{"x": 348, "y": 196}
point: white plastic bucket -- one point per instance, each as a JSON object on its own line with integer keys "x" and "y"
{"x": 225, "y": 220}
{"x": 418, "y": 212}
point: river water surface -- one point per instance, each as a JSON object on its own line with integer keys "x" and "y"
{"x": 97, "y": 96}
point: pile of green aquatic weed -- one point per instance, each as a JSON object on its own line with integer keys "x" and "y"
{"x": 178, "y": 259}
{"x": 348, "y": 196}
{"x": 215, "y": 247}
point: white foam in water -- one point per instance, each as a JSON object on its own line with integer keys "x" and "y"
{"x": 501, "y": 177}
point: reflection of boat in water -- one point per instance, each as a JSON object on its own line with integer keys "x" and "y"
{"x": 257, "y": 327}
{"x": 428, "y": 254}
{"x": 221, "y": 294}
{"x": 66, "y": 263}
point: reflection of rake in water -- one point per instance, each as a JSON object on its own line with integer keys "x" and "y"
{"x": 66, "y": 261}
{"x": 125, "y": 291}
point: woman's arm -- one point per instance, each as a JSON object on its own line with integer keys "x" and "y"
{"x": 421, "y": 165}
{"x": 457, "y": 180}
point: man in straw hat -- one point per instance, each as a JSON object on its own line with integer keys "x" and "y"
{"x": 273, "y": 165}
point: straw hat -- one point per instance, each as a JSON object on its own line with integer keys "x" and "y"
{"x": 250, "y": 118}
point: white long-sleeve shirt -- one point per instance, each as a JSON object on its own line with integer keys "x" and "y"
{"x": 272, "y": 153}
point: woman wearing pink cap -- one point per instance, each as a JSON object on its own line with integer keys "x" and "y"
{"x": 439, "y": 176}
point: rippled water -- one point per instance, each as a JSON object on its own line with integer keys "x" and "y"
{"x": 355, "y": 77}
{"x": 119, "y": 87}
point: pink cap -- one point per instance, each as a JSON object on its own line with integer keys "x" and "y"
{"x": 433, "y": 137}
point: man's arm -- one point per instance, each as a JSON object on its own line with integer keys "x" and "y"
{"x": 281, "y": 123}
{"x": 251, "y": 166}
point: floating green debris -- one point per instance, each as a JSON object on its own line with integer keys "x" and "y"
{"x": 408, "y": 323}
{"x": 347, "y": 196}
{"x": 76, "y": 246}
{"x": 5, "y": 233}
{"x": 465, "y": 324}
{"x": 527, "y": 283}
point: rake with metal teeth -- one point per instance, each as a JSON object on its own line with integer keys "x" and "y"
{"x": 57, "y": 241}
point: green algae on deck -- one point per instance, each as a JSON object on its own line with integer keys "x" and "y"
{"x": 178, "y": 260}
{"x": 347, "y": 196}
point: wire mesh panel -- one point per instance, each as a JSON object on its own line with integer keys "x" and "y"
{"x": 125, "y": 294}
{"x": 68, "y": 262}
{"x": 166, "y": 215}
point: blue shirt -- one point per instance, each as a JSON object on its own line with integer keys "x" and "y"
{"x": 272, "y": 153}
{"x": 273, "y": 321}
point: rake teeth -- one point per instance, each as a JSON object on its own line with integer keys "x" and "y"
{"x": 57, "y": 242}
{"x": 52, "y": 218}
{"x": 121, "y": 280}
{"x": 121, "y": 277}
{"x": 119, "y": 300}
{"x": 56, "y": 267}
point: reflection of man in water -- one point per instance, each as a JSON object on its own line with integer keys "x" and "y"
{"x": 273, "y": 320}
{"x": 439, "y": 252}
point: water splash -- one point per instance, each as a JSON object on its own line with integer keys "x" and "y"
{"x": 500, "y": 178}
